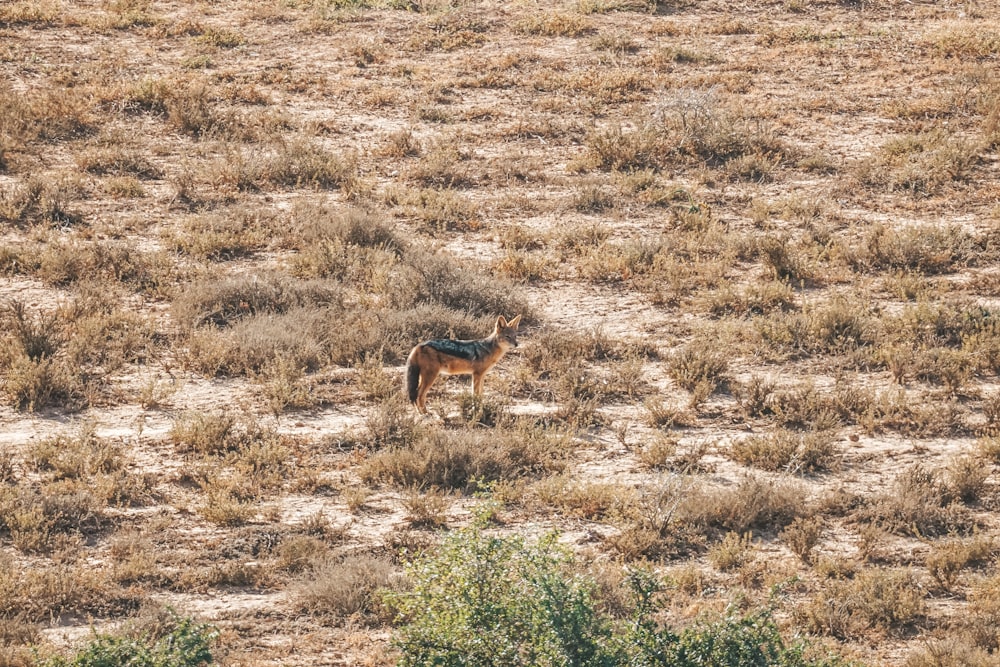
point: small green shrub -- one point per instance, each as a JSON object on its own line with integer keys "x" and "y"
{"x": 494, "y": 601}
{"x": 187, "y": 644}
{"x": 487, "y": 600}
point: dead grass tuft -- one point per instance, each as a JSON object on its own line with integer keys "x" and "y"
{"x": 875, "y": 602}
{"x": 343, "y": 589}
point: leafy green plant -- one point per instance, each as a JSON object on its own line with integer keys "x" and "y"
{"x": 486, "y": 600}
{"x": 188, "y": 644}
{"x": 483, "y": 600}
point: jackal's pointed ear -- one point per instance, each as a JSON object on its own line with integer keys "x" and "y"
{"x": 514, "y": 322}
{"x": 501, "y": 322}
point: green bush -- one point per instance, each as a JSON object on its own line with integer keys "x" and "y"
{"x": 483, "y": 600}
{"x": 187, "y": 644}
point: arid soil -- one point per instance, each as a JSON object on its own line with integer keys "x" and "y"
{"x": 723, "y": 221}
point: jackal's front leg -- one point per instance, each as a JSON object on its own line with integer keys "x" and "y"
{"x": 477, "y": 383}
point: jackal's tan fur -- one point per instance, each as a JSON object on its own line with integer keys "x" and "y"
{"x": 457, "y": 357}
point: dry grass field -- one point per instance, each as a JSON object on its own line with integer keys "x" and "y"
{"x": 756, "y": 247}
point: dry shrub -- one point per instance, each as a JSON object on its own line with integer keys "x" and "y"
{"x": 134, "y": 559}
{"x": 801, "y": 535}
{"x": 299, "y": 553}
{"x": 31, "y": 12}
{"x": 64, "y": 263}
{"x": 227, "y": 501}
{"x": 586, "y": 500}
{"x": 222, "y": 303}
{"x": 965, "y": 478}
{"x": 753, "y": 503}
{"x": 348, "y": 588}
{"x": 315, "y": 223}
{"x": 949, "y": 557}
{"x": 402, "y": 144}
{"x": 435, "y": 278}
{"x": 37, "y": 373}
{"x": 788, "y": 262}
{"x": 438, "y": 209}
{"x": 465, "y": 460}
{"x": 40, "y": 516}
{"x": 302, "y": 164}
{"x": 107, "y": 339}
{"x": 662, "y": 522}
{"x": 392, "y": 424}
{"x": 426, "y": 509}
{"x": 805, "y": 407}
{"x": 988, "y": 447}
{"x": 83, "y": 456}
{"x": 189, "y": 105}
{"x": 874, "y": 601}
{"x": 925, "y": 249}
{"x": 950, "y": 652}
{"x": 205, "y": 433}
{"x": 786, "y": 450}
{"x": 225, "y": 235}
{"x": 112, "y": 159}
{"x": 699, "y": 367}
{"x": 963, "y": 39}
{"x": 550, "y": 351}
{"x": 50, "y": 591}
{"x": 260, "y": 343}
{"x": 754, "y": 395}
{"x": 983, "y": 620}
{"x": 442, "y": 166}
{"x": 917, "y": 503}
{"x": 921, "y": 164}
{"x": 58, "y": 113}
{"x": 34, "y": 384}
{"x": 555, "y": 24}
{"x": 757, "y": 298}
{"x": 733, "y": 552}
{"x": 38, "y": 200}
{"x": 692, "y": 126}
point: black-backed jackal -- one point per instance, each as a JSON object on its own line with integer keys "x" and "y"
{"x": 457, "y": 357}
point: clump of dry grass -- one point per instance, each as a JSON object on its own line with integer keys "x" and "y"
{"x": 590, "y": 500}
{"x": 753, "y": 503}
{"x": 692, "y": 126}
{"x": 224, "y": 303}
{"x": 922, "y": 164}
{"x": 466, "y": 459}
{"x": 802, "y": 535}
{"x": 949, "y": 557}
{"x": 733, "y": 552}
{"x": 552, "y": 24}
{"x": 786, "y": 450}
{"x": 917, "y": 502}
{"x": 925, "y": 249}
{"x": 39, "y": 201}
{"x": 875, "y": 602}
{"x": 700, "y": 368}
{"x": 348, "y": 588}
{"x": 40, "y": 593}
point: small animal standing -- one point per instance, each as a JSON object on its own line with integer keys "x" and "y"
{"x": 457, "y": 357}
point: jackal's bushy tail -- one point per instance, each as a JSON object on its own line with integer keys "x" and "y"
{"x": 412, "y": 378}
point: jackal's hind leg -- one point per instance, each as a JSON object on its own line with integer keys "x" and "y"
{"x": 427, "y": 377}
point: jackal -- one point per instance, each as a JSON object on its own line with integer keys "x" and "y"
{"x": 457, "y": 357}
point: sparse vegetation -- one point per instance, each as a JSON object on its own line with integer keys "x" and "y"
{"x": 759, "y": 350}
